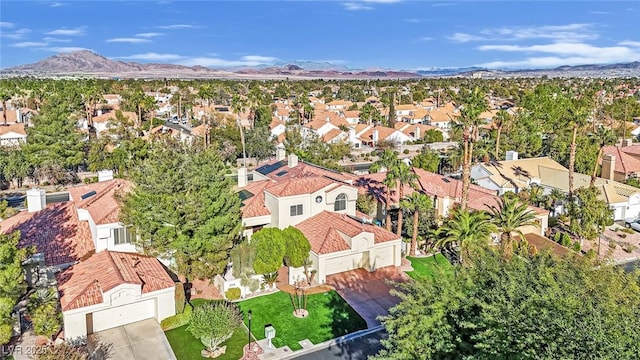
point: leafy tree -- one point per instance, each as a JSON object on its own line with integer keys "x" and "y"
{"x": 12, "y": 283}
{"x": 184, "y": 207}
{"x": 510, "y": 216}
{"x": 259, "y": 143}
{"x": 416, "y": 203}
{"x": 243, "y": 255}
{"x": 591, "y": 213}
{"x": 365, "y": 203}
{"x": 270, "y": 250}
{"x": 47, "y": 320}
{"x": 388, "y": 160}
{"x": 465, "y": 229}
{"x": 541, "y": 307}
{"x": 433, "y": 135}
{"x": 427, "y": 160}
{"x": 6, "y": 321}
{"x": 297, "y": 247}
{"x": 405, "y": 176}
{"x": 214, "y": 323}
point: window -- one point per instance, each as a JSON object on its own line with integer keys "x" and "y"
{"x": 341, "y": 203}
{"x": 123, "y": 235}
{"x": 295, "y": 210}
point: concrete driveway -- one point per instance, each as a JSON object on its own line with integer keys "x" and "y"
{"x": 368, "y": 292}
{"x": 142, "y": 340}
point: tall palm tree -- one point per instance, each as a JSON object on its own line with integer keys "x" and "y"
{"x": 473, "y": 105}
{"x": 238, "y": 104}
{"x": 502, "y": 121}
{"x": 417, "y": 203}
{"x": 510, "y": 216}
{"x": 577, "y": 115}
{"x": 405, "y": 176}
{"x": 387, "y": 160}
{"x": 464, "y": 228}
{"x": 605, "y": 136}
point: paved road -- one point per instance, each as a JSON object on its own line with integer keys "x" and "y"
{"x": 357, "y": 349}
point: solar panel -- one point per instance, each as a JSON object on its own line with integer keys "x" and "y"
{"x": 245, "y": 194}
{"x": 269, "y": 168}
{"x": 89, "y": 194}
{"x": 445, "y": 180}
{"x": 281, "y": 173}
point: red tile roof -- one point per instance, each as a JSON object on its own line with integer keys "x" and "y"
{"x": 304, "y": 169}
{"x": 625, "y": 161}
{"x": 325, "y": 232}
{"x": 299, "y": 186}
{"x": 254, "y": 206}
{"x": 84, "y": 283}
{"x": 103, "y": 206}
{"x": 15, "y": 128}
{"x": 55, "y": 231}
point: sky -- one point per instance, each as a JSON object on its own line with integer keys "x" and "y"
{"x": 357, "y": 34}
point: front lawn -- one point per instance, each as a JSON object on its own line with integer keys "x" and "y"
{"x": 428, "y": 267}
{"x": 329, "y": 317}
{"x": 187, "y": 347}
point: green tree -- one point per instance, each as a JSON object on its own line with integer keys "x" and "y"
{"x": 184, "y": 207}
{"x": 388, "y": 160}
{"x": 405, "y": 176}
{"x": 541, "y": 307}
{"x": 259, "y": 143}
{"x": 464, "y": 229}
{"x": 590, "y": 214}
{"x": 427, "y": 160}
{"x": 243, "y": 255}
{"x": 270, "y": 250}
{"x": 433, "y": 135}
{"x": 365, "y": 203}
{"x": 416, "y": 203}
{"x": 214, "y": 323}
{"x": 297, "y": 247}
{"x": 510, "y": 216}
{"x": 12, "y": 283}
{"x": 6, "y": 321}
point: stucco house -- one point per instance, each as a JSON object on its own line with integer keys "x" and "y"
{"x": 322, "y": 204}
{"x": 12, "y": 135}
{"x": 111, "y": 289}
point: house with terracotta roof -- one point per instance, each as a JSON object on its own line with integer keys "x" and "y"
{"x": 416, "y": 131}
{"x": 620, "y": 163}
{"x": 111, "y": 289}
{"x": 339, "y": 105}
{"x": 372, "y": 135}
{"x": 322, "y": 204}
{"x": 12, "y": 135}
{"x": 518, "y": 174}
{"x": 102, "y": 122}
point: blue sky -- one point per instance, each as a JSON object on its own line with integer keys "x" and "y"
{"x": 359, "y": 34}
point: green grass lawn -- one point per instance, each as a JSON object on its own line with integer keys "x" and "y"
{"x": 187, "y": 347}
{"x": 329, "y": 317}
{"x": 427, "y": 267}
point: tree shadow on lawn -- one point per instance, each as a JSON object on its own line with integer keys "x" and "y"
{"x": 344, "y": 320}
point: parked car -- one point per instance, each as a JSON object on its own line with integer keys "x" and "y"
{"x": 633, "y": 223}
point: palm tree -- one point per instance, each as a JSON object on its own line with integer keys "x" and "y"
{"x": 238, "y": 105}
{"x": 510, "y": 216}
{"x": 464, "y": 228}
{"x": 576, "y": 118}
{"x": 405, "y": 176}
{"x": 473, "y": 105}
{"x": 389, "y": 161}
{"x": 417, "y": 203}
{"x": 503, "y": 121}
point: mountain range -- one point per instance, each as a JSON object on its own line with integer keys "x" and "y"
{"x": 87, "y": 63}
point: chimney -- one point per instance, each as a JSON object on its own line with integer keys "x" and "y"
{"x": 242, "y": 177}
{"x": 281, "y": 154}
{"x": 608, "y": 166}
{"x": 352, "y": 136}
{"x": 627, "y": 142}
{"x": 328, "y": 119}
{"x": 416, "y": 133}
{"x": 36, "y": 200}
{"x": 105, "y": 175}
{"x": 293, "y": 160}
{"x": 511, "y": 155}
{"x": 374, "y": 136}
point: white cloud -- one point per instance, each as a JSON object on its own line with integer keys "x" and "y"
{"x": 382, "y": 1}
{"x": 64, "y": 49}
{"x": 57, "y": 4}
{"x": 426, "y": 38}
{"x": 151, "y": 56}
{"x": 148, "y": 34}
{"x": 413, "y": 21}
{"x": 630, "y": 43}
{"x": 52, "y": 39}
{"x": 128, "y": 40}
{"x": 15, "y": 35}
{"x": 29, "y": 44}
{"x": 443, "y": 4}
{"x": 67, "y": 32}
{"x": 354, "y": 6}
{"x": 4, "y": 24}
{"x": 250, "y": 60}
{"x": 176, "y": 26}
{"x": 600, "y": 12}
{"x": 562, "y": 53}
{"x": 568, "y": 32}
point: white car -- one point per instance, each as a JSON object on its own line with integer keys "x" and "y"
{"x": 632, "y": 223}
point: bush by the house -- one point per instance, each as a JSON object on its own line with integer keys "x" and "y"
{"x": 214, "y": 323}
{"x": 232, "y": 294}
{"x": 64, "y": 351}
{"x": 177, "y": 320}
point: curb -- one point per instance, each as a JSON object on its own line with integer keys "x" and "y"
{"x": 336, "y": 341}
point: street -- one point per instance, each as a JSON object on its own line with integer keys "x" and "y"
{"x": 357, "y": 349}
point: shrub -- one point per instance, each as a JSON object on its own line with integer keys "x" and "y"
{"x": 233, "y": 294}
{"x": 64, "y": 351}
{"x": 251, "y": 283}
{"x": 576, "y": 246}
{"x": 90, "y": 179}
{"x": 405, "y": 151}
{"x": 214, "y": 323}
{"x": 177, "y": 320}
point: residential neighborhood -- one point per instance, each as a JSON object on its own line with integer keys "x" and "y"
{"x": 277, "y": 219}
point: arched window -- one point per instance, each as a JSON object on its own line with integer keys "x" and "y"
{"x": 341, "y": 203}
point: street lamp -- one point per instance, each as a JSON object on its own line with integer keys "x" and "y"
{"x": 249, "y": 317}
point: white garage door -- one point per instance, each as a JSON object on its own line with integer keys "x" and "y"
{"x": 338, "y": 265}
{"x": 384, "y": 256}
{"x": 121, "y": 315}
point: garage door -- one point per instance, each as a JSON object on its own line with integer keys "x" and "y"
{"x": 121, "y": 315}
{"x": 338, "y": 265}
{"x": 384, "y": 256}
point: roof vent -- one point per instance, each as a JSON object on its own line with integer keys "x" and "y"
{"x": 88, "y": 195}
